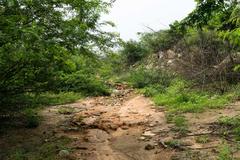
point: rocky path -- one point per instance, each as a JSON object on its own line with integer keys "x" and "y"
{"x": 119, "y": 127}
{"x": 127, "y": 126}
{"x": 123, "y": 126}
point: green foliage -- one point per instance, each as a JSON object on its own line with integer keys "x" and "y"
{"x": 237, "y": 68}
{"x": 142, "y": 77}
{"x": 230, "y": 126}
{"x": 32, "y": 101}
{"x": 173, "y": 143}
{"x": 152, "y": 90}
{"x": 179, "y": 98}
{"x": 45, "y": 151}
{"x": 203, "y": 139}
{"x": 161, "y": 40}
{"x": 32, "y": 118}
{"x": 225, "y": 152}
{"x": 42, "y": 43}
{"x": 219, "y": 15}
{"x": 180, "y": 123}
{"x": 111, "y": 66}
{"x": 206, "y": 60}
{"x": 133, "y": 52}
{"x": 85, "y": 83}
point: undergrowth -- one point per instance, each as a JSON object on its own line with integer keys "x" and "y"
{"x": 178, "y": 97}
{"x": 44, "y": 151}
{"x": 225, "y": 152}
{"x": 175, "y": 93}
{"x": 230, "y": 127}
{"x": 179, "y": 121}
{"x": 22, "y": 110}
{"x": 29, "y": 100}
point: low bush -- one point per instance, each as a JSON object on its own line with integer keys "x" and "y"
{"x": 84, "y": 83}
{"x": 32, "y": 119}
{"x": 203, "y": 139}
{"x": 30, "y": 100}
{"x": 179, "y": 98}
{"x": 177, "y": 94}
{"x": 152, "y": 90}
{"x": 230, "y": 126}
{"x": 22, "y": 110}
{"x": 143, "y": 77}
{"x": 225, "y": 152}
{"x": 133, "y": 52}
{"x": 45, "y": 151}
{"x": 207, "y": 60}
{"x": 181, "y": 125}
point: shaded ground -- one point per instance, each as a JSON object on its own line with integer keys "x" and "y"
{"x": 123, "y": 126}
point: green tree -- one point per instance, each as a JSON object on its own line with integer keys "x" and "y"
{"x": 39, "y": 39}
{"x": 133, "y": 52}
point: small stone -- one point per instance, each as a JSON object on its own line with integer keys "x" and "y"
{"x": 142, "y": 138}
{"x": 149, "y": 147}
{"x": 89, "y": 121}
{"x": 151, "y": 125}
{"x": 148, "y": 134}
{"x": 64, "y": 153}
{"x": 148, "y": 129}
{"x": 187, "y": 143}
{"x": 125, "y": 127}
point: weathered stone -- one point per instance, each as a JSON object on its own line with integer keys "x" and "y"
{"x": 149, "y": 147}
{"x": 187, "y": 143}
{"x": 125, "y": 127}
{"x": 148, "y": 134}
{"x": 64, "y": 153}
{"x": 89, "y": 121}
{"x": 142, "y": 138}
{"x": 151, "y": 125}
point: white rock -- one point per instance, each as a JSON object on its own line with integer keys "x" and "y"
{"x": 148, "y": 134}
{"x": 64, "y": 153}
{"x": 142, "y": 138}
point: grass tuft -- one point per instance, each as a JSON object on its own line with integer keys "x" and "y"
{"x": 203, "y": 139}
{"x": 179, "y": 98}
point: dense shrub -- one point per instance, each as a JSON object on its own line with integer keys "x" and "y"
{"x": 160, "y": 41}
{"x": 180, "y": 98}
{"x": 32, "y": 119}
{"x": 206, "y": 59}
{"x": 133, "y": 52}
{"x": 143, "y": 77}
{"x": 84, "y": 83}
{"x": 42, "y": 44}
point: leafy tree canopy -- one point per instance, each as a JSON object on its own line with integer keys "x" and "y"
{"x": 39, "y": 38}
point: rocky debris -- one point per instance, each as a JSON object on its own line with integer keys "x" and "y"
{"x": 69, "y": 129}
{"x": 149, "y": 147}
{"x": 187, "y": 143}
{"x": 142, "y": 138}
{"x": 148, "y": 134}
{"x": 152, "y": 125}
{"x": 190, "y": 155}
{"x": 116, "y": 92}
{"x": 64, "y": 153}
{"x": 91, "y": 121}
{"x": 162, "y": 143}
{"x": 125, "y": 127}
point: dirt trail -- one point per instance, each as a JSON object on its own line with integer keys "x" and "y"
{"x": 123, "y": 126}
{"x": 112, "y": 128}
